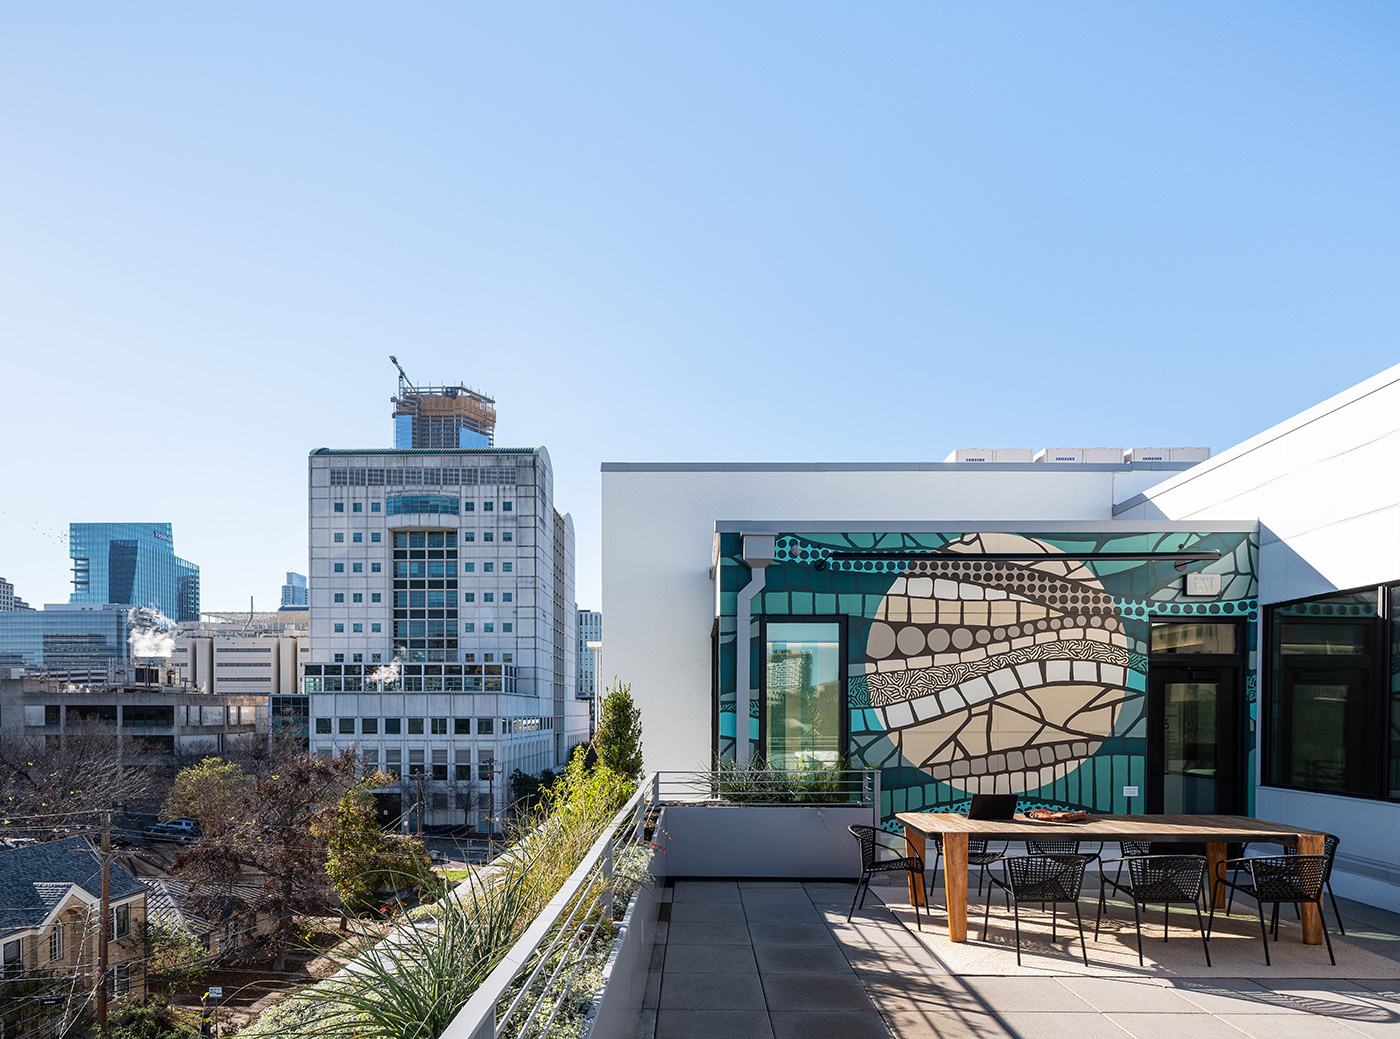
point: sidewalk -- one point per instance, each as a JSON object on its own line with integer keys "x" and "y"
{"x": 777, "y": 958}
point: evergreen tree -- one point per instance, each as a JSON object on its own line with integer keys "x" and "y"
{"x": 619, "y": 734}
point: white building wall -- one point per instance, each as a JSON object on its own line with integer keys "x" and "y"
{"x": 1325, "y": 486}
{"x": 658, "y": 534}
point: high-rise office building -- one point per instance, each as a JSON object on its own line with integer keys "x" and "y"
{"x": 132, "y": 564}
{"x": 442, "y": 621}
{"x": 9, "y": 600}
{"x": 590, "y": 629}
{"x": 76, "y": 642}
{"x": 294, "y": 591}
{"x": 436, "y": 418}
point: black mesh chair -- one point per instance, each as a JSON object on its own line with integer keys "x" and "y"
{"x": 1157, "y": 880}
{"x": 977, "y": 855}
{"x": 911, "y": 864}
{"x": 1277, "y": 879}
{"x": 1040, "y": 878}
{"x": 1061, "y": 848}
{"x": 1332, "y": 842}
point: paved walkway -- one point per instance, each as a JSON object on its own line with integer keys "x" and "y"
{"x": 754, "y": 959}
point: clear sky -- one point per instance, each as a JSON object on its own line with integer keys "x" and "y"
{"x": 664, "y": 231}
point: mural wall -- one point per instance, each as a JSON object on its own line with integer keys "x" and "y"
{"x": 977, "y": 675}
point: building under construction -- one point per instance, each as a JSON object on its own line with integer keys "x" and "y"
{"x": 439, "y": 418}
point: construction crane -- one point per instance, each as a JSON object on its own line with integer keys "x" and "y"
{"x": 440, "y": 414}
{"x": 403, "y": 375}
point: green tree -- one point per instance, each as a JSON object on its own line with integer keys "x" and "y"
{"x": 209, "y": 792}
{"x": 361, "y": 859}
{"x": 619, "y": 733}
{"x": 173, "y": 953}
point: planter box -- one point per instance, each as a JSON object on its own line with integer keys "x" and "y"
{"x": 617, "y": 1009}
{"x": 763, "y": 840}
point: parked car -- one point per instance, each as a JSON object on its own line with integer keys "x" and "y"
{"x": 185, "y": 830}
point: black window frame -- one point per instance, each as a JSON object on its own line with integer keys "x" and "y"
{"x": 842, "y": 623}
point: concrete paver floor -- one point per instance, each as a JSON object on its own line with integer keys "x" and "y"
{"x": 752, "y": 959}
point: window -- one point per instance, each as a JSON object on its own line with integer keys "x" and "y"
{"x": 393, "y": 757}
{"x": 488, "y": 627}
{"x": 347, "y": 726}
{"x": 468, "y": 568}
{"x": 488, "y": 536}
{"x": 483, "y": 726}
{"x": 802, "y": 692}
{"x": 14, "y": 959}
{"x": 357, "y": 628}
{"x": 339, "y": 538}
{"x": 339, "y": 596}
{"x": 469, "y": 596}
{"x": 488, "y": 597}
{"x": 357, "y": 538}
{"x": 468, "y": 506}
{"x": 507, "y": 626}
{"x": 506, "y": 597}
{"x": 374, "y": 657}
{"x": 468, "y": 535}
{"x": 375, "y": 628}
{"x": 340, "y": 658}
{"x": 357, "y": 568}
{"x": 483, "y": 770}
{"x": 339, "y": 506}
{"x": 56, "y": 943}
{"x": 507, "y": 567}
{"x": 487, "y": 506}
{"x": 357, "y": 658}
{"x": 392, "y": 726}
{"x": 439, "y": 727}
{"x": 340, "y": 568}
{"x": 357, "y": 597}
{"x": 1325, "y": 723}
{"x": 374, "y": 537}
{"x": 357, "y": 507}
{"x": 486, "y": 568}
{"x": 340, "y": 629}
{"x": 506, "y": 507}
{"x": 434, "y": 504}
{"x": 507, "y": 535}
{"x": 374, "y": 506}
{"x": 374, "y": 568}
{"x": 464, "y": 772}
{"x": 121, "y": 978}
{"x": 374, "y": 597}
{"x": 415, "y": 726}
{"x": 462, "y": 726}
{"x": 440, "y": 765}
{"x": 323, "y": 726}
{"x": 415, "y": 763}
{"x": 121, "y": 922}
{"x": 369, "y": 726}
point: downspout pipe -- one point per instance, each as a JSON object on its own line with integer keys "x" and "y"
{"x": 759, "y": 550}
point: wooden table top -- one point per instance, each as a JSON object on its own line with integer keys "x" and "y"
{"x": 1207, "y": 828}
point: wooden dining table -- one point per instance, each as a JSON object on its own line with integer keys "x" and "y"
{"x": 1216, "y": 832}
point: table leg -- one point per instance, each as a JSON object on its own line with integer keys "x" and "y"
{"x": 1312, "y": 844}
{"x": 914, "y": 845}
{"x": 1215, "y": 854}
{"x": 955, "y": 884}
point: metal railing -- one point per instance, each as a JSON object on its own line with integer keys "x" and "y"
{"x": 528, "y": 989}
{"x": 859, "y": 787}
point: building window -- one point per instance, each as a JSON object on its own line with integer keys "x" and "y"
{"x": 486, "y": 568}
{"x": 340, "y": 568}
{"x": 357, "y": 628}
{"x": 468, "y": 506}
{"x": 323, "y": 726}
{"x": 488, "y": 536}
{"x": 464, "y": 772}
{"x": 374, "y": 597}
{"x": 507, "y": 535}
{"x": 507, "y": 567}
{"x": 374, "y": 657}
{"x": 14, "y": 959}
{"x": 339, "y": 538}
{"x": 462, "y": 726}
{"x": 374, "y": 536}
{"x": 1326, "y": 719}
{"x": 339, "y": 506}
{"x": 56, "y": 943}
{"x": 468, "y": 568}
{"x": 415, "y": 726}
{"x": 469, "y": 596}
{"x": 340, "y": 629}
{"x": 121, "y": 922}
{"x": 469, "y": 627}
{"x": 339, "y": 658}
{"x": 507, "y": 627}
{"x": 433, "y": 504}
{"x": 347, "y": 726}
{"x": 506, "y": 597}
{"x": 440, "y": 765}
{"x": 357, "y": 568}
{"x": 392, "y": 726}
{"x": 487, "y": 506}
{"x": 357, "y": 538}
{"x": 439, "y": 727}
{"x": 506, "y": 506}
{"x": 357, "y": 597}
{"x": 802, "y": 692}
{"x": 369, "y": 726}
{"x": 357, "y": 658}
{"x": 374, "y": 506}
{"x": 488, "y": 596}
{"x": 393, "y": 758}
{"x": 488, "y": 627}
{"x": 415, "y": 763}
{"x": 374, "y": 568}
{"x": 121, "y": 976}
{"x": 375, "y": 627}
{"x": 484, "y": 726}
{"x": 339, "y": 596}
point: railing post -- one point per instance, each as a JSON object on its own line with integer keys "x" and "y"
{"x": 875, "y": 795}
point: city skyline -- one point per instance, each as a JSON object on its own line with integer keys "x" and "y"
{"x": 665, "y": 235}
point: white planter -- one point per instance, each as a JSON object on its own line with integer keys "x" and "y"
{"x": 764, "y": 840}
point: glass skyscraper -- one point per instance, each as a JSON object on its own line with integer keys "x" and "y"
{"x": 133, "y": 564}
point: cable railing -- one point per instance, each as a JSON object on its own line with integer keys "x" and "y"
{"x": 857, "y": 787}
{"x": 530, "y": 988}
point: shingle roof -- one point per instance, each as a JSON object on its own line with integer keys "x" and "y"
{"x": 35, "y": 878}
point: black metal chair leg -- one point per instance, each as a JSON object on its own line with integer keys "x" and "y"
{"x": 857, "y": 894}
{"x": 1098, "y": 915}
{"x": 1166, "y": 919}
{"x": 1322, "y": 919}
{"x": 1335, "y": 910}
{"x": 1264, "y": 929}
{"x": 1017, "y": 908}
{"x": 1053, "y": 915}
{"x": 1205, "y": 941}
{"x": 1137, "y": 923}
{"x": 986, "y": 916}
{"x": 1210, "y": 920}
{"x": 1080, "y": 921}
{"x": 1273, "y": 923}
{"x": 918, "y": 879}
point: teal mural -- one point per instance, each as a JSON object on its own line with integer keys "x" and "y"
{"x": 1022, "y": 668}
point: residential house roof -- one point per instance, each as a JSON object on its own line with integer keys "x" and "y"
{"x": 35, "y": 879}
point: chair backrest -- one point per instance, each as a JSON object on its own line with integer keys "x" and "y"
{"x": 1331, "y": 842}
{"x": 1167, "y": 878}
{"x": 1045, "y": 878}
{"x": 865, "y": 836}
{"x": 1135, "y": 847}
{"x": 1288, "y": 878}
{"x": 1053, "y": 847}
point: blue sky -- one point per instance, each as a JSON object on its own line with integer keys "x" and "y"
{"x": 785, "y": 231}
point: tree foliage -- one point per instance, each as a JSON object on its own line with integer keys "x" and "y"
{"x": 172, "y": 953}
{"x": 208, "y": 792}
{"x": 272, "y": 837}
{"x": 618, "y": 737}
{"x": 362, "y": 861}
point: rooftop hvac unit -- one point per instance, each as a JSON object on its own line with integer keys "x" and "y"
{"x": 1060, "y": 454}
{"x": 1147, "y": 454}
{"x": 1100, "y": 455}
{"x": 991, "y": 454}
{"x": 1189, "y": 454}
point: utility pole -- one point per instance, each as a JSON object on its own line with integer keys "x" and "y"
{"x": 106, "y": 922}
{"x": 420, "y": 804}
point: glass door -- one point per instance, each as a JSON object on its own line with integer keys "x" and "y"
{"x": 1194, "y": 764}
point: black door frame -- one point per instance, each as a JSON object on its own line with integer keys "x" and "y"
{"x": 841, "y": 621}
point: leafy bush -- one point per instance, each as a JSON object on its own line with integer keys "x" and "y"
{"x": 813, "y": 783}
{"x": 149, "y": 1020}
